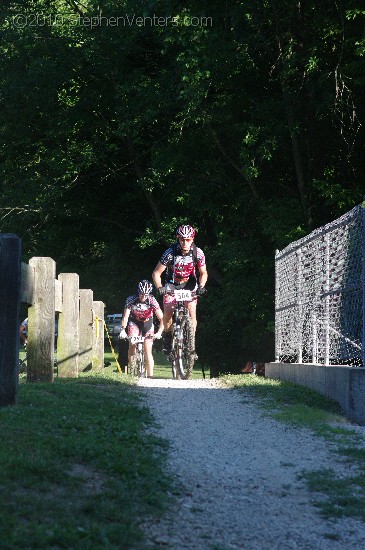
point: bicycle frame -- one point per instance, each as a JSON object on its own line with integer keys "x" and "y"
{"x": 138, "y": 365}
{"x": 23, "y": 362}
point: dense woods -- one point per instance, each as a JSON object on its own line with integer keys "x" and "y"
{"x": 120, "y": 119}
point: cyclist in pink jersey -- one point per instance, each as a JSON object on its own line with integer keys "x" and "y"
{"x": 180, "y": 262}
{"x": 137, "y": 320}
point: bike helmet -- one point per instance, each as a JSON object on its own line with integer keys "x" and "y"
{"x": 144, "y": 287}
{"x": 186, "y": 232}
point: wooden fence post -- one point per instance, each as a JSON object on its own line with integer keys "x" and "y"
{"x": 86, "y": 330}
{"x": 27, "y": 285}
{"x": 58, "y": 296}
{"x": 41, "y": 322}
{"x": 98, "y": 336}
{"x": 10, "y": 274}
{"x": 68, "y": 327}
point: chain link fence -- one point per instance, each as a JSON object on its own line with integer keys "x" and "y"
{"x": 319, "y": 297}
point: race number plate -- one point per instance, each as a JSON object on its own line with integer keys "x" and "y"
{"x": 182, "y": 295}
{"x": 137, "y": 340}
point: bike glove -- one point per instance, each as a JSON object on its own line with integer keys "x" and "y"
{"x": 123, "y": 335}
{"x": 201, "y": 290}
{"x": 158, "y": 336}
{"x": 162, "y": 290}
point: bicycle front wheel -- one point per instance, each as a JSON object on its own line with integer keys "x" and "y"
{"x": 174, "y": 356}
{"x": 22, "y": 365}
{"x": 141, "y": 366}
{"x": 185, "y": 349}
{"x": 133, "y": 367}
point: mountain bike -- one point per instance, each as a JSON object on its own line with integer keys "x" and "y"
{"x": 22, "y": 369}
{"x": 23, "y": 361}
{"x": 182, "y": 354}
{"x": 138, "y": 365}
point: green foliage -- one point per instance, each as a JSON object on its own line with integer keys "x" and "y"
{"x": 344, "y": 497}
{"x": 302, "y": 407}
{"x": 74, "y": 474}
{"x": 280, "y": 396}
{"x": 245, "y": 119}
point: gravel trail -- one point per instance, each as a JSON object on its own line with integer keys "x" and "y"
{"x": 239, "y": 474}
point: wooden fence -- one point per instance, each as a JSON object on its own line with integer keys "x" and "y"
{"x": 80, "y": 340}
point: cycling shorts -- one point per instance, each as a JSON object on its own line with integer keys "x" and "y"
{"x": 191, "y": 284}
{"x": 139, "y": 328}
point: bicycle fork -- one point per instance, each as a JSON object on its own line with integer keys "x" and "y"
{"x": 176, "y": 346}
{"x": 179, "y": 335}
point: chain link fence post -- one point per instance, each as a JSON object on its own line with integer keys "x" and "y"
{"x": 300, "y": 306}
{"x": 315, "y": 340}
{"x": 363, "y": 280}
{"x": 277, "y": 316}
{"x": 327, "y": 300}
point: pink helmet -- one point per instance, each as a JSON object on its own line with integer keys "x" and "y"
{"x": 186, "y": 232}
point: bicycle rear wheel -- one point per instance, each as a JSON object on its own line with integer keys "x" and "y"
{"x": 185, "y": 355}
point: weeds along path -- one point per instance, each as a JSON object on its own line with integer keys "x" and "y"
{"x": 236, "y": 472}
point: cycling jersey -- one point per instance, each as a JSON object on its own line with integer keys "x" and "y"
{"x": 179, "y": 267}
{"x": 141, "y": 311}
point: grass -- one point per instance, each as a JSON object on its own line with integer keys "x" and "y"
{"x": 162, "y": 367}
{"x": 300, "y": 406}
{"x": 289, "y": 402}
{"x": 77, "y": 467}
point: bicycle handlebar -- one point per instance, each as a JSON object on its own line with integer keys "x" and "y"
{"x": 153, "y": 336}
{"x": 171, "y": 292}
{"x": 170, "y": 288}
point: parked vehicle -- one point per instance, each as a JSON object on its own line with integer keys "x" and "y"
{"x": 113, "y": 324}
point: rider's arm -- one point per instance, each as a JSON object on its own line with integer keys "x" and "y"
{"x": 124, "y": 321}
{"x": 159, "y": 316}
{"x": 203, "y": 275}
{"x": 22, "y": 329}
{"x": 156, "y": 275}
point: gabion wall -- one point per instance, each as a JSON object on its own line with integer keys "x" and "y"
{"x": 319, "y": 299}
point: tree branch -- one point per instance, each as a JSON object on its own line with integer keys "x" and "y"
{"x": 231, "y": 161}
{"x": 140, "y": 176}
{"x": 75, "y": 5}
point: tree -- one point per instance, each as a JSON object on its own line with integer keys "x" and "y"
{"x": 119, "y": 122}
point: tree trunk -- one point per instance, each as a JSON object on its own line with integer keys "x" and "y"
{"x": 139, "y": 172}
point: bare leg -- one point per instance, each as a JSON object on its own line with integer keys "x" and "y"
{"x": 131, "y": 352}
{"x": 167, "y": 322}
{"x": 167, "y": 316}
{"x": 192, "y": 313}
{"x": 149, "y": 356}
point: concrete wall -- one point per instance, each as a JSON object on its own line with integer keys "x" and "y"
{"x": 346, "y": 385}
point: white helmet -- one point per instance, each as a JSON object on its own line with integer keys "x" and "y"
{"x": 186, "y": 231}
{"x": 144, "y": 287}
